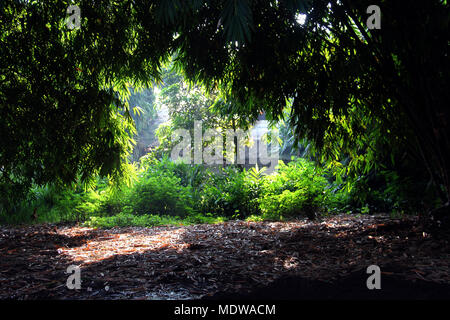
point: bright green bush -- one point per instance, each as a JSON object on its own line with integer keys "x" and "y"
{"x": 298, "y": 188}
{"x": 161, "y": 188}
{"x": 160, "y": 194}
{"x": 230, "y": 193}
{"x": 287, "y": 204}
{"x": 189, "y": 175}
{"x": 113, "y": 201}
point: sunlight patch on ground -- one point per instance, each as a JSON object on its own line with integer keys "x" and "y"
{"x": 121, "y": 242}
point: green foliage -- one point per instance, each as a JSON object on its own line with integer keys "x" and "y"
{"x": 55, "y": 204}
{"x": 187, "y": 103}
{"x": 298, "y": 188}
{"x": 254, "y": 218}
{"x": 387, "y": 191}
{"x": 355, "y": 93}
{"x": 290, "y": 145}
{"x": 161, "y": 188}
{"x": 160, "y": 193}
{"x": 204, "y": 218}
{"x": 128, "y": 220}
{"x": 230, "y": 193}
{"x": 165, "y": 192}
{"x": 238, "y": 20}
{"x": 62, "y": 93}
{"x": 148, "y": 220}
{"x": 144, "y": 102}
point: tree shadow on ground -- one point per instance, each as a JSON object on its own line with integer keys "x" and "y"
{"x": 352, "y": 287}
{"x": 236, "y": 260}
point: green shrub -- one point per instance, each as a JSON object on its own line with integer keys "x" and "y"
{"x": 287, "y": 204}
{"x": 159, "y": 190}
{"x": 298, "y": 188}
{"x": 160, "y": 194}
{"x": 54, "y": 204}
{"x": 165, "y": 192}
{"x": 113, "y": 201}
{"x": 230, "y": 193}
{"x": 254, "y": 218}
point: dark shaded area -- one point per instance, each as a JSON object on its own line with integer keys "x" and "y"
{"x": 352, "y": 287}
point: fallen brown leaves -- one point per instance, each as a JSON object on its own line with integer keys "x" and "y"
{"x": 190, "y": 262}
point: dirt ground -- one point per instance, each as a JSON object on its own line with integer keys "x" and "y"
{"x": 303, "y": 259}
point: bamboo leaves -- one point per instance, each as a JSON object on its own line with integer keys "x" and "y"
{"x": 237, "y": 20}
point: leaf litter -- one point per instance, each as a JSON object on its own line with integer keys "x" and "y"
{"x": 191, "y": 262}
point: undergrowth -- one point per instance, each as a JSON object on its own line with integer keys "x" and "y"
{"x": 165, "y": 192}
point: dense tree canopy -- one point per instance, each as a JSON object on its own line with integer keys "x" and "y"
{"x": 367, "y": 92}
{"x": 375, "y": 94}
{"x": 61, "y": 90}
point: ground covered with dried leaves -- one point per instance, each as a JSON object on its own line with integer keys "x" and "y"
{"x": 302, "y": 259}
